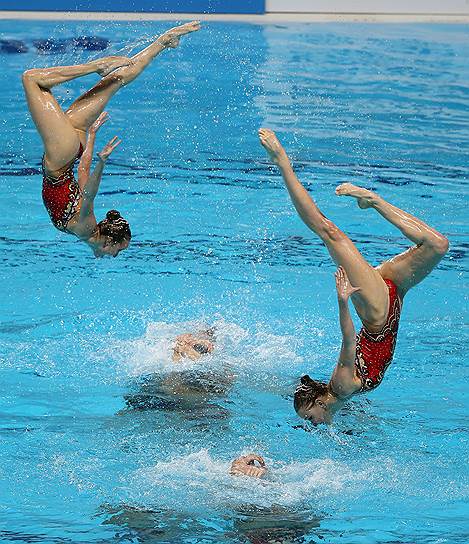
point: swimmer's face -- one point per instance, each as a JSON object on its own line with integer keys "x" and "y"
{"x": 192, "y": 347}
{"x": 111, "y": 249}
{"x": 316, "y": 413}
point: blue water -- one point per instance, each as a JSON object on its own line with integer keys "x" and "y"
{"x": 103, "y": 439}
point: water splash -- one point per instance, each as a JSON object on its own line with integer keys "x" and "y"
{"x": 203, "y": 482}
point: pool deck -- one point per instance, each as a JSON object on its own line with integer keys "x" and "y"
{"x": 254, "y": 19}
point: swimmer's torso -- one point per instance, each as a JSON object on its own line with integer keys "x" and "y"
{"x": 374, "y": 351}
{"x": 62, "y": 195}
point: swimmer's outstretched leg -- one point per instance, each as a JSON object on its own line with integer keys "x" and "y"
{"x": 410, "y": 267}
{"x": 58, "y": 134}
{"x": 86, "y": 109}
{"x": 170, "y": 39}
{"x": 372, "y": 300}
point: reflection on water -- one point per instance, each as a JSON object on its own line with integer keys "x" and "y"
{"x": 193, "y": 394}
{"x": 274, "y": 525}
{"x": 255, "y": 525}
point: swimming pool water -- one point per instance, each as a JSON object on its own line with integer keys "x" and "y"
{"x": 102, "y": 438}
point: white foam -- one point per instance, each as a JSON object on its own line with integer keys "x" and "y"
{"x": 235, "y": 348}
{"x": 199, "y": 481}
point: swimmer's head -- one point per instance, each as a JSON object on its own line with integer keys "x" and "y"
{"x": 115, "y": 231}
{"x": 194, "y": 346}
{"x": 310, "y": 401}
{"x": 204, "y": 341}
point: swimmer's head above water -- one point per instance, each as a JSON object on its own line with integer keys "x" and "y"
{"x": 194, "y": 346}
{"x": 252, "y": 465}
{"x": 312, "y": 401}
{"x": 112, "y": 235}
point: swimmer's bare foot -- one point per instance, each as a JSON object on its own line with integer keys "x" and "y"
{"x": 244, "y": 466}
{"x": 106, "y": 65}
{"x": 365, "y": 198}
{"x": 271, "y": 144}
{"x": 171, "y": 37}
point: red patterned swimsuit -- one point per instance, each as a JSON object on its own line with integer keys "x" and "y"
{"x": 61, "y": 196}
{"x": 375, "y": 350}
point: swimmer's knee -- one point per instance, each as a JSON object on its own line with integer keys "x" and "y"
{"x": 34, "y": 79}
{"x": 331, "y": 233}
{"x": 439, "y": 244}
{"x": 30, "y": 76}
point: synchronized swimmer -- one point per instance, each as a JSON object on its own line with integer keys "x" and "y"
{"x": 69, "y": 135}
{"x": 376, "y": 293}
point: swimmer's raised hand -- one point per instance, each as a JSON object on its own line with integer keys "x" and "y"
{"x": 103, "y": 118}
{"x": 245, "y": 466}
{"x": 109, "y": 148}
{"x": 343, "y": 285}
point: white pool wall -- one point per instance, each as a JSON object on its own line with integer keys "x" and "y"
{"x": 252, "y": 19}
{"x": 401, "y": 7}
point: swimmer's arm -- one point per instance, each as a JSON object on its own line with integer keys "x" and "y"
{"x": 87, "y": 157}
{"x": 343, "y": 377}
{"x": 343, "y": 380}
{"x": 348, "y": 348}
{"x": 85, "y": 162}
{"x": 91, "y": 187}
{"x": 90, "y": 190}
{"x": 344, "y": 291}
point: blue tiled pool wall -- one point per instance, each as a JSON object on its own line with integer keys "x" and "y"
{"x": 158, "y": 6}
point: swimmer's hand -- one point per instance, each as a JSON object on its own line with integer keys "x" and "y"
{"x": 245, "y": 466}
{"x": 343, "y": 285}
{"x": 108, "y": 149}
{"x": 171, "y": 37}
{"x": 103, "y": 118}
{"x": 272, "y": 145}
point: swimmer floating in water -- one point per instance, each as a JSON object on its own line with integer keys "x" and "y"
{"x": 376, "y": 293}
{"x": 64, "y": 135}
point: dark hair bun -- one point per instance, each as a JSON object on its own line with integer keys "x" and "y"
{"x": 306, "y": 380}
{"x": 113, "y": 215}
{"x": 115, "y": 226}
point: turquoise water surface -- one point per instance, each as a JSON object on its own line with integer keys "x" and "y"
{"x": 102, "y": 438}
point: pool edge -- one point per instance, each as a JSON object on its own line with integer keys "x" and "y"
{"x": 253, "y": 19}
